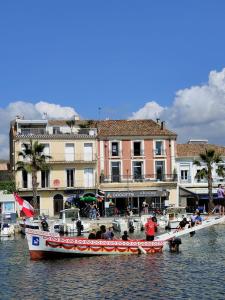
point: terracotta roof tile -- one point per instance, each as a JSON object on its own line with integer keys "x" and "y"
{"x": 132, "y": 128}
{"x": 190, "y": 150}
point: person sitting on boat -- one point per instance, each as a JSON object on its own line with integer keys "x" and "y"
{"x": 100, "y": 233}
{"x": 150, "y": 229}
{"x": 125, "y": 236}
{"x": 92, "y": 235}
{"x": 182, "y": 224}
{"x": 109, "y": 234}
{"x": 198, "y": 218}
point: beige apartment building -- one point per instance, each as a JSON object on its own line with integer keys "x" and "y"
{"x": 73, "y": 162}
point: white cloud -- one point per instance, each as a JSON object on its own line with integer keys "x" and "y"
{"x": 55, "y": 110}
{"x": 196, "y": 112}
{"x": 151, "y": 110}
{"x": 28, "y": 111}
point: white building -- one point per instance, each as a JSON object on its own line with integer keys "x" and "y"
{"x": 193, "y": 190}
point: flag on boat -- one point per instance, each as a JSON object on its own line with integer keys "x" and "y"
{"x": 24, "y": 206}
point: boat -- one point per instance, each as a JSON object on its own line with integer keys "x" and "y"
{"x": 7, "y": 230}
{"x": 44, "y": 244}
{"x": 173, "y": 216}
{"x": 68, "y": 222}
{"x": 120, "y": 224}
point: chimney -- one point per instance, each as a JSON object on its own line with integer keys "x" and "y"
{"x": 157, "y": 120}
{"x": 162, "y": 125}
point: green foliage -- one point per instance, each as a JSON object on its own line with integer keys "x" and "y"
{"x": 8, "y": 186}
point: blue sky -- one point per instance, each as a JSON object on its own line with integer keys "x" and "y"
{"x": 118, "y": 55}
{"x": 113, "y": 54}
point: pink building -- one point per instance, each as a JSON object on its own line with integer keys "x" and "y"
{"x": 136, "y": 163}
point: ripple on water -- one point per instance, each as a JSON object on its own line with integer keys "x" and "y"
{"x": 196, "y": 272}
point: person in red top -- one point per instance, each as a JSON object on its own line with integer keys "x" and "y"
{"x": 150, "y": 229}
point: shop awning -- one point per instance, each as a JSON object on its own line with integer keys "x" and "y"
{"x": 201, "y": 193}
{"x": 88, "y": 198}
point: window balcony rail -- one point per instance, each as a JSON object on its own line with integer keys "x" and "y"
{"x": 59, "y": 184}
{"x": 67, "y": 158}
{"x": 63, "y": 131}
{"x": 137, "y": 152}
{"x": 159, "y": 152}
{"x": 115, "y": 153}
{"x": 32, "y": 131}
{"x": 138, "y": 178}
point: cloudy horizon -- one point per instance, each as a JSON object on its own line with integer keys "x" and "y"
{"x": 197, "y": 112}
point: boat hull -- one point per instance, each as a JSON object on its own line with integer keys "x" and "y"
{"x": 46, "y": 245}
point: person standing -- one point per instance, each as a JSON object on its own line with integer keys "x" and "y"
{"x": 220, "y": 198}
{"x": 150, "y": 229}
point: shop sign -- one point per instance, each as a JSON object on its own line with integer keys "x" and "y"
{"x": 126, "y": 194}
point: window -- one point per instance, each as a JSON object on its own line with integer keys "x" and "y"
{"x": 45, "y": 179}
{"x": 115, "y": 149}
{"x": 137, "y": 148}
{"x": 199, "y": 176}
{"x": 184, "y": 175}
{"x": 88, "y": 151}
{"x": 24, "y": 179}
{"x": 115, "y": 171}
{"x": 70, "y": 177}
{"x": 159, "y": 148}
{"x": 160, "y": 169}
{"x": 137, "y": 170}
{"x": 69, "y": 152}
{"x": 56, "y": 130}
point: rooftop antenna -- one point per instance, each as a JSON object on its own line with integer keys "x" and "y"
{"x": 99, "y": 113}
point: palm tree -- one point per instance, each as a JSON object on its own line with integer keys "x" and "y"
{"x": 207, "y": 159}
{"x": 71, "y": 124}
{"x": 34, "y": 160}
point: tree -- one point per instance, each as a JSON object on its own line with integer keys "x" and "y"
{"x": 71, "y": 124}
{"x": 207, "y": 159}
{"x": 34, "y": 160}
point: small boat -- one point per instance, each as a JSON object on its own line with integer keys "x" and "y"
{"x": 68, "y": 222}
{"x": 44, "y": 244}
{"x": 7, "y": 230}
{"x": 173, "y": 216}
{"x": 120, "y": 224}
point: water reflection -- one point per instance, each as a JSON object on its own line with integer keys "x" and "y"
{"x": 196, "y": 272}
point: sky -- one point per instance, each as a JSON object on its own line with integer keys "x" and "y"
{"x": 120, "y": 59}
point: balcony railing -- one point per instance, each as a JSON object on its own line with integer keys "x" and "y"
{"x": 33, "y": 131}
{"x": 137, "y": 152}
{"x": 59, "y": 131}
{"x": 159, "y": 152}
{"x": 70, "y": 158}
{"x": 59, "y": 184}
{"x": 138, "y": 178}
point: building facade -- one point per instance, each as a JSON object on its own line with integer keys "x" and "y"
{"x": 136, "y": 163}
{"x": 73, "y": 162}
{"x": 193, "y": 189}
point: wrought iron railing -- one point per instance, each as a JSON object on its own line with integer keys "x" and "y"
{"x": 138, "y": 178}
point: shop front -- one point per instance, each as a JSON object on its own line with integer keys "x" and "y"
{"x": 121, "y": 202}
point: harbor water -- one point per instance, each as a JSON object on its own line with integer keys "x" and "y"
{"x": 197, "y": 272}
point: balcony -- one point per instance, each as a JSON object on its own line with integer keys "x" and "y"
{"x": 139, "y": 178}
{"x": 58, "y": 184}
{"x": 59, "y": 158}
{"x": 32, "y": 131}
{"x": 63, "y": 132}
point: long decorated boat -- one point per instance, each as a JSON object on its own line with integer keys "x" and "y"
{"x": 44, "y": 244}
